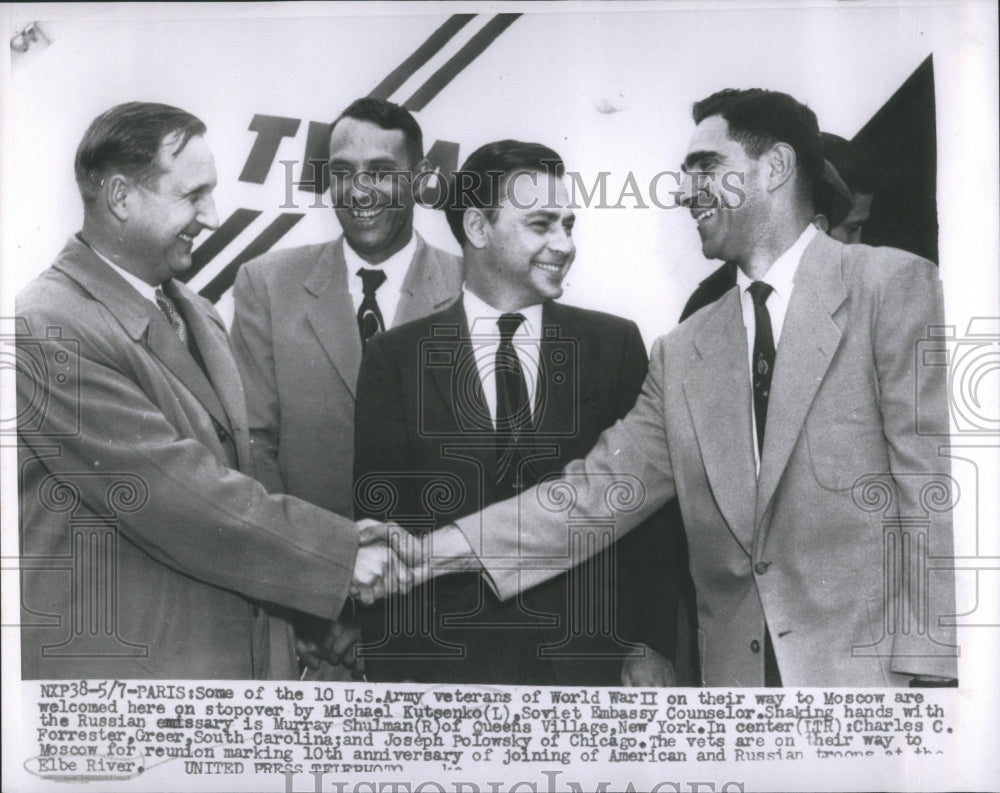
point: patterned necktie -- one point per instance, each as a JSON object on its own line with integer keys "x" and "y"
{"x": 370, "y": 319}
{"x": 173, "y": 316}
{"x": 763, "y": 369}
{"x": 513, "y": 411}
{"x": 763, "y": 357}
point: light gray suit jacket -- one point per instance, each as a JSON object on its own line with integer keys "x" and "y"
{"x": 146, "y": 544}
{"x": 833, "y": 544}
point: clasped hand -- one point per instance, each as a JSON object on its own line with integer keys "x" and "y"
{"x": 390, "y": 561}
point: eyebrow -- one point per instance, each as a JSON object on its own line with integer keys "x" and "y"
{"x": 547, "y": 214}
{"x": 696, "y": 157}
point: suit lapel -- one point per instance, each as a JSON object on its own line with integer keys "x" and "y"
{"x": 717, "y": 392}
{"x": 331, "y": 313}
{"x": 809, "y": 339}
{"x": 213, "y": 344}
{"x": 424, "y": 291}
{"x": 455, "y": 385}
{"x": 140, "y": 320}
{"x": 457, "y": 381}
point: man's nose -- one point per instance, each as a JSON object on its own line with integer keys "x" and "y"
{"x": 560, "y": 241}
{"x": 686, "y": 194}
{"x": 207, "y": 215}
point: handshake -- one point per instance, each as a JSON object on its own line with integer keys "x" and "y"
{"x": 390, "y": 561}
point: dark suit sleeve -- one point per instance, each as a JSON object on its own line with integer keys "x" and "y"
{"x": 648, "y": 559}
{"x": 380, "y": 434}
{"x": 251, "y": 342}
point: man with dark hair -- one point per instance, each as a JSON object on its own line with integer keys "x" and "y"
{"x": 479, "y": 401}
{"x": 857, "y": 173}
{"x": 147, "y": 550}
{"x": 784, "y": 418}
{"x": 832, "y": 205}
{"x": 302, "y": 315}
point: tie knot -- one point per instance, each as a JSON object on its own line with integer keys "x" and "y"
{"x": 161, "y": 297}
{"x": 371, "y": 280}
{"x": 508, "y": 324}
{"x": 760, "y": 291}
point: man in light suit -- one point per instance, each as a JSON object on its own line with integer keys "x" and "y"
{"x": 148, "y": 551}
{"x": 300, "y": 314}
{"x": 433, "y": 417}
{"x": 817, "y": 517}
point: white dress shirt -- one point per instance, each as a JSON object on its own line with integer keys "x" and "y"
{"x": 147, "y": 291}
{"x": 781, "y": 278}
{"x": 395, "y": 269}
{"x": 485, "y": 337}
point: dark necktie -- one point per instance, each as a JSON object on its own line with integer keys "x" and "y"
{"x": 763, "y": 369}
{"x": 370, "y": 319}
{"x": 763, "y": 357}
{"x": 513, "y": 410}
{"x": 173, "y": 316}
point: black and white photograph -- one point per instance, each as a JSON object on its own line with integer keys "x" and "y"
{"x": 500, "y": 396}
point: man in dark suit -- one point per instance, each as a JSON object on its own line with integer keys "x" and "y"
{"x": 473, "y": 404}
{"x": 302, "y": 315}
{"x": 785, "y": 419}
{"x": 148, "y": 550}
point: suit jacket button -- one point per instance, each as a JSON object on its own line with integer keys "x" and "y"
{"x": 761, "y": 567}
{"x": 755, "y": 646}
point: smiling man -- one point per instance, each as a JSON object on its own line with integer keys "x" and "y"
{"x": 302, "y": 315}
{"x": 784, "y": 418}
{"x": 145, "y": 543}
{"x": 475, "y": 403}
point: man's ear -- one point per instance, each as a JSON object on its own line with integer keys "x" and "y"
{"x": 429, "y": 184}
{"x": 822, "y": 222}
{"x": 782, "y": 163}
{"x": 476, "y": 227}
{"x": 117, "y": 191}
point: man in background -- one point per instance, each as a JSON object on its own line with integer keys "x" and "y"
{"x": 858, "y": 175}
{"x": 477, "y": 402}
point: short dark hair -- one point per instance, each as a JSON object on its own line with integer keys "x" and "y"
{"x": 127, "y": 138}
{"x": 386, "y": 115}
{"x": 833, "y": 196}
{"x": 481, "y": 181}
{"x": 759, "y": 118}
{"x": 852, "y": 162}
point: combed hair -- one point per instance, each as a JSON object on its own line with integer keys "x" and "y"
{"x": 127, "y": 139}
{"x": 389, "y": 116}
{"x": 758, "y": 119}
{"x": 482, "y": 180}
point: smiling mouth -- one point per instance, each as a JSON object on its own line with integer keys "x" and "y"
{"x": 366, "y": 215}
{"x": 550, "y": 267}
{"x": 699, "y": 217}
{"x": 188, "y": 238}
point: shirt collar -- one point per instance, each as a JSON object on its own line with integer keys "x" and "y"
{"x": 147, "y": 291}
{"x": 781, "y": 275}
{"x": 482, "y": 317}
{"x": 394, "y": 267}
